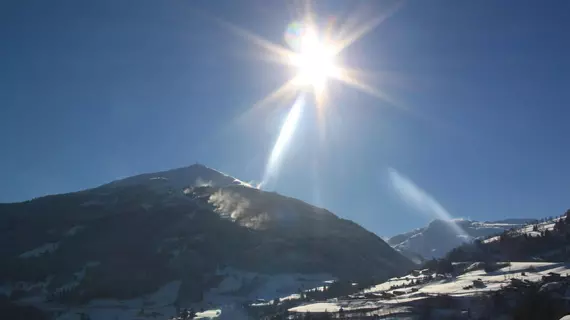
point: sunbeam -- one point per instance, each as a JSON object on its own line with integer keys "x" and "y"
{"x": 419, "y": 199}
{"x": 287, "y": 131}
{"x": 349, "y": 37}
{"x": 313, "y": 48}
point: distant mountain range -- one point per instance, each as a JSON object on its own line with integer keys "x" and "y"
{"x": 189, "y": 236}
{"x": 545, "y": 240}
{"x": 440, "y": 236}
{"x": 523, "y": 272}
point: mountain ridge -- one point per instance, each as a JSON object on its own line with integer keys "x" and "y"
{"x": 440, "y": 236}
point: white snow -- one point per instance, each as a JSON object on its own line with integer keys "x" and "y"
{"x": 245, "y": 184}
{"x": 440, "y": 236}
{"x": 373, "y": 307}
{"x": 534, "y": 234}
{"x": 208, "y": 314}
{"x": 44, "y": 248}
{"x": 449, "y": 286}
{"x": 240, "y": 286}
{"x": 529, "y": 230}
{"x": 178, "y": 179}
{"x": 294, "y": 296}
{"x": 492, "y": 239}
{"x": 549, "y": 226}
{"x": 317, "y": 307}
{"x": 492, "y": 280}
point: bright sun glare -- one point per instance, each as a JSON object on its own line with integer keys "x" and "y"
{"x": 312, "y": 51}
{"x": 314, "y": 61}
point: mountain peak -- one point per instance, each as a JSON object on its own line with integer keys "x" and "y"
{"x": 140, "y": 239}
{"x": 194, "y": 175}
{"x": 440, "y": 236}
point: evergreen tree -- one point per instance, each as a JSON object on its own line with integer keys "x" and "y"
{"x": 444, "y": 266}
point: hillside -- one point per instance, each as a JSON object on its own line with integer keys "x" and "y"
{"x": 440, "y": 236}
{"x": 518, "y": 290}
{"x": 190, "y": 236}
{"x": 542, "y": 241}
{"x": 523, "y": 273}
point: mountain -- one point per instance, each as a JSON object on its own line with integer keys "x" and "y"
{"x": 440, "y": 236}
{"x": 189, "y": 236}
{"x": 546, "y": 240}
{"x": 523, "y": 273}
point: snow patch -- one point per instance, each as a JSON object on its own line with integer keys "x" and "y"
{"x": 492, "y": 239}
{"x": 438, "y": 238}
{"x": 203, "y": 183}
{"x": 492, "y": 281}
{"x": 240, "y": 286}
{"x": 44, "y": 248}
{"x": 208, "y": 314}
{"x": 317, "y": 307}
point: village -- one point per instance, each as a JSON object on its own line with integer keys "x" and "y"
{"x": 517, "y": 290}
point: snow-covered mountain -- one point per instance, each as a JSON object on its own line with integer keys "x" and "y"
{"x": 440, "y": 236}
{"x": 523, "y": 271}
{"x": 546, "y": 240}
{"x": 188, "y": 237}
{"x": 196, "y": 175}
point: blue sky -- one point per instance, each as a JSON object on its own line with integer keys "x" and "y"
{"x": 92, "y": 91}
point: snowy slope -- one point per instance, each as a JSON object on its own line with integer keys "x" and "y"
{"x": 531, "y": 230}
{"x": 534, "y": 271}
{"x": 437, "y": 238}
{"x": 460, "y": 286}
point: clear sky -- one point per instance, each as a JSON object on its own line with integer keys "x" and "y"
{"x": 92, "y": 91}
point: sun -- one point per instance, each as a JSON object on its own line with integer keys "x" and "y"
{"x": 313, "y": 52}
{"x": 315, "y": 61}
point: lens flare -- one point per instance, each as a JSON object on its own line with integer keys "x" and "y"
{"x": 287, "y": 131}
{"x": 314, "y": 51}
{"x": 419, "y": 199}
{"x": 314, "y": 61}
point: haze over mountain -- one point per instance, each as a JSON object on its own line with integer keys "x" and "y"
{"x": 199, "y": 234}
